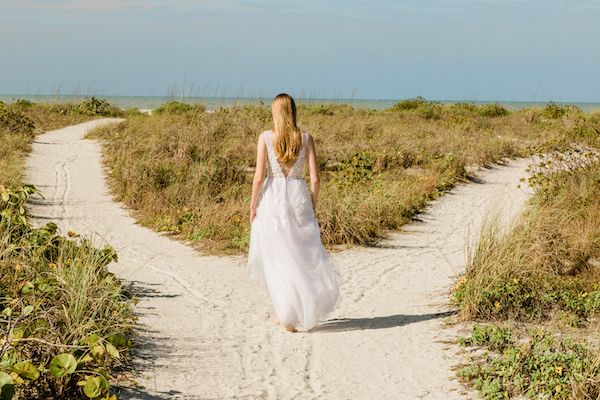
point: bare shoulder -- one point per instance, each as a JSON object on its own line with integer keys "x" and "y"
{"x": 262, "y": 136}
{"x": 261, "y": 142}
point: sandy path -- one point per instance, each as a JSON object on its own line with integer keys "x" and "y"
{"x": 205, "y": 328}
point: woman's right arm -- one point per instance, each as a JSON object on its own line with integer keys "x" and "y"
{"x": 259, "y": 175}
{"x": 315, "y": 180}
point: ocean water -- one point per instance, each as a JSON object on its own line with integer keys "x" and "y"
{"x": 212, "y": 103}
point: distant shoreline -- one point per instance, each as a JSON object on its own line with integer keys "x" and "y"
{"x": 148, "y": 103}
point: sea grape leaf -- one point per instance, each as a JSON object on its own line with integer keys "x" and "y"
{"x": 26, "y": 370}
{"x": 63, "y": 364}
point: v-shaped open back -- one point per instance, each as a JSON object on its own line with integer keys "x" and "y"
{"x": 275, "y": 168}
{"x": 285, "y": 253}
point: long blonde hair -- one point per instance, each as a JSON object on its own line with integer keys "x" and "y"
{"x": 287, "y": 138}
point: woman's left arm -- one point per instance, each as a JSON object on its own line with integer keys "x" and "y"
{"x": 259, "y": 175}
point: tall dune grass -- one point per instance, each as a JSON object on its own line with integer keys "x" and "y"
{"x": 188, "y": 172}
{"x": 549, "y": 262}
{"x": 544, "y": 275}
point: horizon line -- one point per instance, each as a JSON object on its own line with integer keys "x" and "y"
{"x": 337, "y": 99}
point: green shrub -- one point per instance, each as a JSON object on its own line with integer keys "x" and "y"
{"x": 409, "y": 104}
{"x": 430, "y": 111}
{"x": 64, "y": 319}
{"x": 89, "y": 107}
{"x": 584, "y": 130}
{"x": 541, "y": 366}
{"x": 493, "y": 110}
{"x": 99, "y": 107}
{"x": 491, "y": 336}
{"x": 554, "y": 111}
{"x": 357, "y": 168}
{"x": 176, "y": 107}
{"x": 425, "y": 109}
{"x": 22, "y": 103}
{"x": 15, "y": 122}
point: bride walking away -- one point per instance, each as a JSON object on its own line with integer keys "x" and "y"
{"x": 286, "y": 255}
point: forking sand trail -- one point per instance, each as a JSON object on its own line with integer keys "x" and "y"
{"x": 205, "y": 328}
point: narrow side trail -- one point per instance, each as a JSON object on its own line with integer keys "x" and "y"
{"x": 205, "y": 329}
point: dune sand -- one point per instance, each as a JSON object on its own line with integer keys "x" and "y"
{"x": 205, "y": 329}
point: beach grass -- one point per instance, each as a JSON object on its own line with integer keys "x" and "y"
{"x": 188, "y": 172}
{"x": 65, "y": 321}
{"x": 549, "y": 262}
{"x": 21, "y": 120}
{"x": 535, "y": 290}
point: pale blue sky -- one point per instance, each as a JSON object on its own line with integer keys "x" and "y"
{"x": 530, "y": 50}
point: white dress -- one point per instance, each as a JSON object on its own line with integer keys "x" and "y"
{"x": 286, "y": 254}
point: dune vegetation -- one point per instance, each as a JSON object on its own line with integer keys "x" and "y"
{"x": 65, "y": 320}
{"x": 188, "y": 172}
{"x": 530, "y": 363}
{"x": 539, "y": 285}
{"x": 549, "y": 262}
{"x": 21, "y": 120}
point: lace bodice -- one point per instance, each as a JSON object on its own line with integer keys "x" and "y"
{"x": 274, "y": 168}
{"x": 285, "y": 252}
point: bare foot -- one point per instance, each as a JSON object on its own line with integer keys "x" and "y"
{"x": 288, "y": 327}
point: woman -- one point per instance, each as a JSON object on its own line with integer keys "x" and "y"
{"x": 286, "y": 254}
